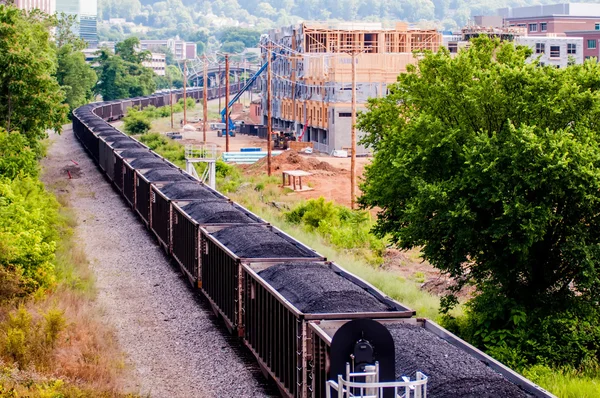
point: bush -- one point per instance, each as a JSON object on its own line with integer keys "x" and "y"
{"x": 28, "y": 233}
{"x": 137, "y": 122}
{"x": 340, "y": 226}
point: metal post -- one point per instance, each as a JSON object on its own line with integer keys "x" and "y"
{"x": 269, "y": 110}
{"x": 184, "y": 92}
{"x": 353, "y": 149}
{"x": 205, "y": 100}
{"x": 227, "y": 103}
{"x": 219, "y": 86}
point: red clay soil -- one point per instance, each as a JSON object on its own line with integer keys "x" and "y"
{"x": 292, "y": 160}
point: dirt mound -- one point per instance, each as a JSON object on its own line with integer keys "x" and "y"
{"x": 292, "y": 160}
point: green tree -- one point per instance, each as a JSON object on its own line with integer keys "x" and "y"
{"x": 74, "y": 75}
{"x": 30, "y": 97}
{"x": 248, "y": 37}
{"x": 233, "y": 47}
{"x": 492, "y": 167}
{"x": 120, "y": 78}
{"x": 127, "y": 50}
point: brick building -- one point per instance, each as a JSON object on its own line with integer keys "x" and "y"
{"x": 553, "y": 19}
{"x": 591, "y": 42}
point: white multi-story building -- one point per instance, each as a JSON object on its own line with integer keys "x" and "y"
{"x": 158, "y": 63}
{"x": 47, "y": 6}
{"x": 86, "y": 12}
{"x": 179, "y": 48}
{"x": 556, "y": 51}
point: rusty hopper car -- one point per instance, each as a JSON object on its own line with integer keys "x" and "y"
{"x": 145, "y": 177}
{"x": 224, "y": 249}
{"x": 161, "y": 196}
{"x": 129, "y": 167}
{"x": 107, "y": 147}
{"x": 130, "y": 154}
{"x": 280, "y": 299}
{"x": 454, "y": 368}
{"x": 189, "y": 216}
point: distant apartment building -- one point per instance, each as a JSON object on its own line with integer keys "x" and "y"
{"x": 547, "y": 50}
{"x": 157, "y": 62}
{"x": 179, "y": 48}
{"x": 554, "y": 19}
{"x": 47, "y": 6}
{"x": 555, "y": 51}
{"x": 86, "y": 12}
{"x": 312, "y": 74}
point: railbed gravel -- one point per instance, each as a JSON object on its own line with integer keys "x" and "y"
{"x": 173, "y": 344}
{"x": 315, "y": 288}
{"x": 451, "y": 372}
{"x": 257, "y": 241}
{"x": 217, "y": 212}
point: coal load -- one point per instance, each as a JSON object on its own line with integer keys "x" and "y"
{"x": 124, "y": 144}
{"x": 217, "y": 212}
{"x": 137, "y": 153}
{"x": 187, "y": 190}
{"x": 315, "y": 288}
{"x": 254, "y": 241}
{"x": 451, "y": 372}
{"x": 146, "y": 163}
{"x": 109, "y": 133}
{"x": 169, "y": 174}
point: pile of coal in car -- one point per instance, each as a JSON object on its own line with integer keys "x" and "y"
{"x": 256, "y": 241}
{"x": 134, "y": 153}
{"x": 170, "y": 174}
{"x": 147, "y": 163}
{"x": 451, "y": 372}
{"x": 187, "y": 190}
{"x": 110, "y": 133}
{"x": 123, "y": 144}
{"x": 315, "y": 288}
{"x": 218, "y": 212}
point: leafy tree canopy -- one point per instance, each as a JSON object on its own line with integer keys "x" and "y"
{"x": 492, "y": 166}
{"x": 30, "y": 97}
{"x": 122, "y": 75}
{"x": 248, "y": 37}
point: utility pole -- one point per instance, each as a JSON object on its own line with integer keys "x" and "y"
{"x": 353, "y": 149}
{"x": 205, "y": 100}
{"x": 219, "y": 81}
{"x": 171, "y": 98}
{"x": 184, "y": 92}
{"x": 269, "y": 109}
{"x": 227, "y": 102}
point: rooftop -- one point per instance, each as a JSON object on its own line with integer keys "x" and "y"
{"x": 564, "y": 9}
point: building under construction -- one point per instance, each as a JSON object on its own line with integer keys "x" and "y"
{"x": 311, "y": 76}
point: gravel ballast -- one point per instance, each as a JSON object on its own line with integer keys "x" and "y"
{"x": 217, "y": 212}
{"x": 315, "y": 288}
{"x": 452, "y": 373}
{"x": 173, "y": 344}
{"x": 255, "y": 241}
{"x": 187, "y": 190}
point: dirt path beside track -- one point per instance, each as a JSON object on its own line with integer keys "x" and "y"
{"x": 173, "y": 344}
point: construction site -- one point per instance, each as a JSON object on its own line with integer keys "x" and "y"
{"x": 312, "y": 75}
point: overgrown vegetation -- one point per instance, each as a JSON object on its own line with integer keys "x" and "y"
{"x": 52, "y": 343}
{"x": 339, "y": 226}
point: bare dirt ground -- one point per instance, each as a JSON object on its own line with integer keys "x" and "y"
{"x": 174, "y": 345}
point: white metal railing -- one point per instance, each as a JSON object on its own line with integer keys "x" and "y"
{"x": 205, "y": 151}
{"x": 371, "y": 387}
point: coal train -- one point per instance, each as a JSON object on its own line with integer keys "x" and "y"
{"x": 315, "y": 329}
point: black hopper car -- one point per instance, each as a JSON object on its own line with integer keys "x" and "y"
{"x": 313, "y": 327}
